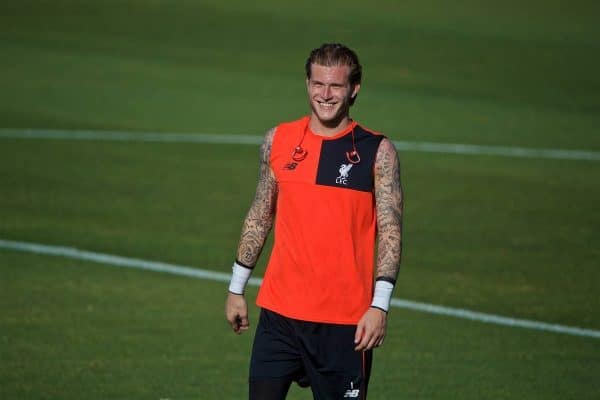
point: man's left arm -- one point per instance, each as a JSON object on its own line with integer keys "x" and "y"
{"x": 371, "y": 328}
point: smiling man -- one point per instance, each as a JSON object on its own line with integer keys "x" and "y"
{"x": 331, "y": 188}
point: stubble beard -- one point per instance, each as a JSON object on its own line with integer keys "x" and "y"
{"x": 336, "y": 119}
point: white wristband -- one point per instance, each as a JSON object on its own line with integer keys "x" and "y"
{"x": 239, "y": 278}
{"x": 382, "y": 295}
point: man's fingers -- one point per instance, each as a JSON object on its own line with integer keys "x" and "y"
{"x": 370, "y": 330}
{"x": 374, "y": 340}
{"x": 359, "y": 333}
{"x": 235, "y": 323}
{"x": 379, "y": 339}
{"x": 361, "y": 346}
{"x": 369, "y": 341}
{"x": 236, "y": 312}
{"x": 240, "y": 323}
{"x": 364, "y": 344}
{"x": 366, "y": 337}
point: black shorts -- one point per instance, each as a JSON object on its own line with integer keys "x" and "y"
{"x": 316, "y": 354}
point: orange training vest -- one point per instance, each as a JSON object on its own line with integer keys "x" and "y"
{"x": 321, "y": 265}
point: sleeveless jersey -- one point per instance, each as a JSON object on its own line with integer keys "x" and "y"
{"x": 322, "y": 262}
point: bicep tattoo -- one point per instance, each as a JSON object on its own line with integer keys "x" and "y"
{"x": 389, "y": 206}
{"x": 260, "y": 217}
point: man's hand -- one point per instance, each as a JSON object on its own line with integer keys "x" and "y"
{"x": 370, "y": 330}
{"x": 236, "y": 312}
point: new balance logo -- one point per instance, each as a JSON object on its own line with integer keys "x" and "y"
{"x": 344, "y": 172}
{"x": 352, "y": 393}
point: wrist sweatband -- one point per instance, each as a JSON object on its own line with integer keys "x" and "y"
{"x": 239, "y": 278}
{"x": 382, "y": 295}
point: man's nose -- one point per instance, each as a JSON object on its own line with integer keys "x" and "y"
{"x": 326, "y": 91}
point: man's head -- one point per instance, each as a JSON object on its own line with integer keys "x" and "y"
{"x": 333, "y": 76}
{"x": 335, "y": 54}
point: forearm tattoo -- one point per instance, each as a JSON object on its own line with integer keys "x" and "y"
{"x": 260, "y": 217}
{"x": 389, "y": 205}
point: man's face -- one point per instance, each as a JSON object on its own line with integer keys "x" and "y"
{"x": 329, "y": 93}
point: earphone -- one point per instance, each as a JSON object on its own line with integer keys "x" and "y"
{"x": 353, "y": 155}
{"x": 299, "y": 152}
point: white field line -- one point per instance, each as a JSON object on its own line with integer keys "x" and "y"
{"x": 452, "y": 148}
{"x": 127, "y": 262}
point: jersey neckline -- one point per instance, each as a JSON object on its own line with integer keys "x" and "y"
{"x": 336, "y": 135}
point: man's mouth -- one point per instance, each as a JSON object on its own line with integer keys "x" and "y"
{"x": 325, "y": 105}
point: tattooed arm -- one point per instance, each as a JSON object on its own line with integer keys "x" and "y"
{"x": 259, "y": 220}
{"x": 388, "y": 198}
{"x": 371, "y": 329}
{"x": 256, "y": 228}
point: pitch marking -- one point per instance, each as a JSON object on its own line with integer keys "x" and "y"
{"x": 429, "y": 147}
{"x": 127, "y": 262}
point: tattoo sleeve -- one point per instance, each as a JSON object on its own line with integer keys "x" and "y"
{"x": 389, "y": 205}
{"x": 260, "y": 217}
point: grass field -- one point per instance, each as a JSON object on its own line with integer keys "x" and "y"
{"x": 511, "y": 236}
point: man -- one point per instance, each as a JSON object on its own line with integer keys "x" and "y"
{"x": 331, "y": 187}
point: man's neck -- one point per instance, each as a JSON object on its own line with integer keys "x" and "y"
{"x": 328, "y": 129}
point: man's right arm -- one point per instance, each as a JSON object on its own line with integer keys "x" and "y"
{"x": 256, "y": 228}
{"x": 260, "y": 217}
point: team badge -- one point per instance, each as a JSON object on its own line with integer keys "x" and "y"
{"x": 344, "y": 174}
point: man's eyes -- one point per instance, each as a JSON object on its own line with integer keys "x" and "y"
{"x": 333, "y": 86}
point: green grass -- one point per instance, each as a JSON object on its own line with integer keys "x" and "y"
{"x": 498, "y": 73}
{"x": 101, "y": 333}
{"x": 468, "y": 244}
{"x": 510, "y": 236}
{"x": 75, "y": 328}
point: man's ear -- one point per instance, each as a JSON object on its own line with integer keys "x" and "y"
{"x": 355, "y": 91}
